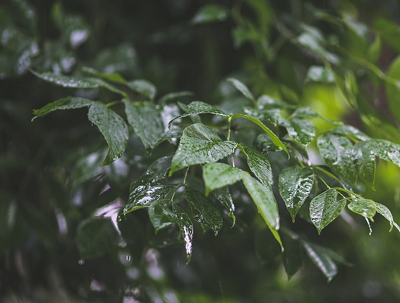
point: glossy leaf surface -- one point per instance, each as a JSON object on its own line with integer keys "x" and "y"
{"x": 365, "y": 163}
{"x": 363, "y": 207}
{"x": 300, "y": 130}
{"x": 258, "y": 164}
{"x": 186, "y": 229}
{"x": 386, "y": 213}
{"x": 113, "y": 128}
{"x": 217, "y": 175}
{"x": 224, "y": 196}
{"x": 295, "y": 185}
{"x": 199, "y": 145}
{"x": 62, "y": 104}
{"x": 325, "y": 208}
{"x": 160, "y": 215}
{"x": 143, "y": 87}
{"x": 319, "y": 74}
{"x": 242, "y": 88}
{"x": 67, "y": 81}
{"x": 350, "y": 131}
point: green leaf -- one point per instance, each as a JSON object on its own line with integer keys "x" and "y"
{"x": 322, "y": 258}
{"x": 154, "y": 174}
{"x": 392, "y": 90}
{"x": 270, "y": 115}
{"x": 337, "y": 152}
{"x": 210, "y": 13}
{"x": 308, "y": 113}
{"x": 62, "y": 104}
{"x": 295, "y": 185}
{"x": 258, "y": 164}
{"x": 108, "y": 86}
{"x": 365, "y": 162}
{"x": 300, "y": 130}
{"x": 386, "y": 213}
{"x": 186, "y": 229}
{"x": 319, "y": 74}
{"x": 160, "y": 215}
{"x": 113, "y": 77}
{"x": 199, "y": 145}
{"x": 267, "y": 206}
{"x": 325, "y": 208}
{"x": 204, "y": 210}
{"x": 292, "y": 257}
{"x": 96, "y": 237}
{"x": 351, "y": 132}
{"x": 144, "y": 195}
{"x": 274, "y": 138}
{"x": 385, "y": 150}
{"x": 389, "y": 31}
{"x": 67, "y": 81}
{"x": 266, "y": 246}
{"x": 267, "y": 103}
{"x": 224, "y": 196}
{"x": 374, "y": 50}
{"x": 172, "y": 96}
{"x": 146, "y": 121}
{"x": 113, "y": 128}
{"x": 242, "y": 88}
{"x": 197, "y": 108}
{"x": 363, "y": 207}
{"x": 143, "y": 87}
{"x": 217, "y": 175}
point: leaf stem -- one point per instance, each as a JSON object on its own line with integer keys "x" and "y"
{"x": 113, "y": 103}
{"x": 347, "y": 191}
{"x": 329, "y": 174}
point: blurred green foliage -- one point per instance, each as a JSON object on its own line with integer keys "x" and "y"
{"x": 338, "y": 57}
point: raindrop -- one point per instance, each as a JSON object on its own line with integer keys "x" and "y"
{"x": 128, "y": 258}
{"x": 81, "y": 262}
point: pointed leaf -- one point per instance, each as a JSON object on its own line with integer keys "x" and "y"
{"x": 321, "y": 257}
{"x": 95, "y": 237}
{"x": 242, "y": 88}
{"x": 224, "y": 196}
{"x": 113, "y": 77}
{"x": 143, "y": 87}
{"x": 217, "y": 175}
{"x": 197, "y": 108}
{"x": 258, "y": 164}
{"x": 365, "y": 163}
{"x": 160, "y": 215}
{"x": 267, "y": 206}
{"x": 186, "y": 229}
{"x": 62, "y": 104}
{"x": 267, "y": 103}
{"x": 154, "y": 174}
{"x": 292, "y": 257}
{"x": 337, "y": 152}
{"x": 385, "y": 150}
{"x": 199, "y": 145}
{"x": 146, "y": 121}
{"x": 204, "y": 210}
{"x": 325, "y": 208}
{"x": 210, "y": 13}
{"x": 386, "y": 213}
{"x": 295, "y": 185}
{"x": 300, "y": 130}
{"x": 113, "y": 128}
{"x": 270, "y": 115}
{"x": 351, "y": 132}
{"x": 363, "y": 207}
{"x": 67, "y": 81}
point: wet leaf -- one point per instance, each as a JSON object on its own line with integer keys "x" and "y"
{"x": 146, "y": 121}
{"x": 270, "y": 115}
{"x": 267, "y": 103}
{"x": 186, "y": 229}
{"x": 210, "y": 13}
{"x": 267, "y": 206}
{"x": 96, "y": 237}
{"x": 337, "y": 152}
{"x": 295, "y": 185}
{"x": 351, "y": 132}
{"x": 217, "y": 175}
{"x": 113, "y": 128}
{"x": 292, "y": 257}
{"x": 242, "y": 88}
{"x": 258, "y": 164}
{"x": 204, "y": 211}
{"x": 62, "y": 104}
{"x": 385, "y": 150}
{"x": 67, "y": 81}
{"x": 386, "y": 213}
{"x": 223, "y": 195}
{"x": 113, "y": 77}
{"x": 363, "y": 207}
{"x": 160, "y": 215}
{"x": 300, "y": 130}
{"x": 199, "y": 145}
{"x": 319, "y": 74}
{"x": 365, "y": 162}
{"x": 321, "y": 257}
{"x": 143, "y": 87}
{"x": 325, "y": 208}
{"x": 154, "y": 174}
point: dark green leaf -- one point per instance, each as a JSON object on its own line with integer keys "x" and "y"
{"x": 385, "y": 212}
{"x": 113, "y": 128}
{"x": 385, "y": 150}
{"x": 265, "y": 144}
{"x": 143, "y": 87}
{"x": 300, "y": 130}
{"x": 270, "y": 115}
{"x": 242, "y": 88}
{"x": 217, "y": 175}
{"x": 295, "y": 185}
{"x": 186, "y": 229}
{"x": 96, "y": 237}
{"x": 62, "y": 104}
{"x": 337, "y": 152}
{"x": 210, "y": 13}
{"x": 351, "y": 132}
{"x": 267, "y": 103}
{"x": 292, "y": 257}
{"x": 325, "y": 208}
{"x": 365, "y": 162}
{"x": 321, "y": 257}
{"x": 199, "y": 145}
{"x": 160, "y": 215}
{"x": 258, "y": 164}
{"x": 146, "y": 121}
{"x": 113, "y": 77}
{"x": 319, "y": 74}
{"x": 67, "y": 81}
{"x": 204, "y": 210}
{"x": 363, "y": 207}
{"x": 389, "y": 31}
{"x": 266, "y": 246}
{"x": 223, "y": 195}
{"x": 267, "y": 206}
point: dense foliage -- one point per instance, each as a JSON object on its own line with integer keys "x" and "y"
{"x": 144, "y": 194}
